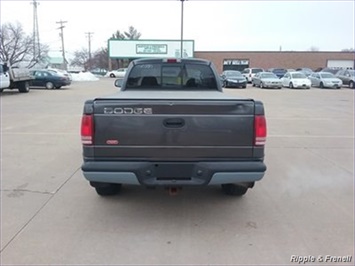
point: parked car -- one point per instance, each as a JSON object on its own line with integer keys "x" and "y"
{"x": 49, "y": 79}
{"x": 266, "y": 80}
{"x": 346, "y": 76}
{"x": 249, "y": 73}
{"x": 118, "y": 73}
{"x": 233, "y": 78}
{"x": 295, "y": 80}
{"x": 332, "y": 70}
{"x": 279, "y": 72}
{"x": 325, "y": 80}
{"x": 61, "y": 72}
{"x": 305, "y": 70}
{"x": 99, "y": 71}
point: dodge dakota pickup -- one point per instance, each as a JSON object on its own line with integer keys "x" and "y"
{"x": 171, "y": 125}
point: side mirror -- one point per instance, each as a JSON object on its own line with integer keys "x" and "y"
{"x": 118, "y": 83}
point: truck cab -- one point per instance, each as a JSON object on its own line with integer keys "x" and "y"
{"x": 4, "y": 76}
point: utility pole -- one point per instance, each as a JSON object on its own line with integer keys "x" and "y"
{"x": 36, "y": 44}
{"x": 182, "y": 29}
{"x": 88, "y": 34}
{"x": 62, "y": 37}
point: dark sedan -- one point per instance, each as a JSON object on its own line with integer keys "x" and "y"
{"x": 49, "y": 80}
{"x": 233, "y": 78}
{"x": 279, "y": 72}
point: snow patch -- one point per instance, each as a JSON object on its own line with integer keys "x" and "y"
{"x": 84, "y": 76}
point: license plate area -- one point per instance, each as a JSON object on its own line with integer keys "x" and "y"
{"x": 173, "y": 170}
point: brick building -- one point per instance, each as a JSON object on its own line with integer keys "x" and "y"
{"x": 313, "y": 60}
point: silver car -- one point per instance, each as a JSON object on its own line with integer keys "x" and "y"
{"x": 266, "y": 80}
{"x": 325, "y": 80}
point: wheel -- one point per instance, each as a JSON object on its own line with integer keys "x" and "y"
{"x": 261, "y": 85}
{"x": 24, "y": 87}
{"x": 49, "y": 85}
{"x": 234, "y": 189}
{"x": 253, "y": 84}
{"x": 1, "y": 90}
{"x": 291, "y": 85}
{"x": 225, "y": 84}
{"x": 279, "y": 88}
{"x": 351, "y": 84}
{"x": 321, "y": 85}
{"x": 244, "y": 87}
{"x": 106, "y": 189}
{"x": 112, "y": 75}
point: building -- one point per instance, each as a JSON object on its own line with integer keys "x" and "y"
{"x": 240, "y": 60}
{"x": 229, "y": 60}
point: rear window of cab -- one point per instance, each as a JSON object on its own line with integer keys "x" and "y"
{"x": 171, "y": 76}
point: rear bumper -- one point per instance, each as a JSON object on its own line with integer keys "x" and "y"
{"x": 173, "y": 173}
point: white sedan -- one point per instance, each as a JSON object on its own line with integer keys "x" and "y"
{"x": 295, "y": 80}
{"x": 325, "y": 80}
{"x": 118, "y": 73}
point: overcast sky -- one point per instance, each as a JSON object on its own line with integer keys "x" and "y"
{"x": 213, "y": 25}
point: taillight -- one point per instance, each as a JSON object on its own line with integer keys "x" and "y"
{"x": 171, "y": 60}
{"x": 87, "y": 129}
{"x": 260, "y": 130}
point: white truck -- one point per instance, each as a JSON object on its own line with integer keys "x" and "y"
{"x": 15, "y": 78}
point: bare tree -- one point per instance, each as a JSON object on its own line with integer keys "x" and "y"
{"x": 81, "y": 59}
{"x": 100, "y": 58}
{"x": 17, "y": 47}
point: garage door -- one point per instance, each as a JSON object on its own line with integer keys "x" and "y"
{"x": 341, "y": 63}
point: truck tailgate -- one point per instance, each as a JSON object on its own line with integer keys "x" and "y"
{"x": 173, "y": 129}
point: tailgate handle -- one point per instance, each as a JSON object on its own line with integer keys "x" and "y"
{"x": 174, "y": 122}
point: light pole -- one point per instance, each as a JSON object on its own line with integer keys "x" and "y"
{"x": 182, "y": 28}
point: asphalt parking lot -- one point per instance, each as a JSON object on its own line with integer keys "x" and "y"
{"x": 303, "y": 207}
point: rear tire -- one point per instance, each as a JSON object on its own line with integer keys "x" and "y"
{"x": 49, "y": 85}
{"x": 107, "y": 189}
{"x": 234, "y": 189}
{"x": 291, "y": 85}
{"x": 261, "y": 85}
{"x": 112, "y": 75}
{"x": 321, "y": 85}
{"x": 351, "y": 84}
{"x": 24, "y": 87}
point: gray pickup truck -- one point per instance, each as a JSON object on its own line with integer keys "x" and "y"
{"x": 171, "y": 126}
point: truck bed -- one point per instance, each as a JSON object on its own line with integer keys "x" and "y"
{"x": 169, "y": 126}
